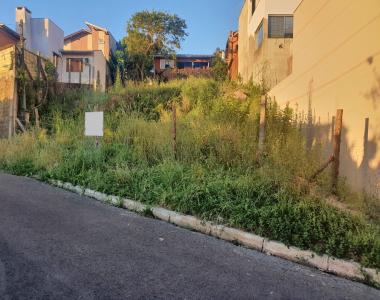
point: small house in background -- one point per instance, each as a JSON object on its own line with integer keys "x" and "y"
{"x": 8, "y": 37}
{"x": 84, "y": 47}
{"x": 231, "y": 55}
{"x": 92, "y": 38}
{"x": 42, "y": 35}
{"x": 84, "y": 68}
{"x": 181, "y": 62}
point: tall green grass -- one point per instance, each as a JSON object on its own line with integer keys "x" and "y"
{"x": 217, "y": 175}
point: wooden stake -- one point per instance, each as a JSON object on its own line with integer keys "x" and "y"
{"x": 37, "y": 117}
{"x": 263, "y": 106}
{"x": 20, "y": 125}
{"x": 69, "y": 71}
{"x": 80, "y": 73}
{"x": 332, "y": 129}
{"x": 336, "y": 149}
{"x": 322, "y": 168}
{"x": 174, "y": 109}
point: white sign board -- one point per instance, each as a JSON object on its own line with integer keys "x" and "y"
{"x": 94, "y": 124}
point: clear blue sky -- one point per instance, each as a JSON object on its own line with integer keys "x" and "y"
{"x": 209, "y": 21}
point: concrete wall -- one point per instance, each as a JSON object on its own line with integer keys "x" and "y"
{"x": 97, "y": 64}
{"x": 336, "y": 64}
{"x": 24, "y": 15}
{"x": 42, "y": 35}
{"x": 101, "y": 70}
{"x": 271, "y": 62}
{"x": 8, "y": 98}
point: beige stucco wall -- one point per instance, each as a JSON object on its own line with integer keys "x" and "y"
{"x": 91, "y": 41}
{"x": 271, "y": 61}
{"x": 243, "y": 52}
{"x": 82, "y": 43}
{"x": 336, "y": 64}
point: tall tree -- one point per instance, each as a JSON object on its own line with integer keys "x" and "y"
{"x": 150, "y": 33}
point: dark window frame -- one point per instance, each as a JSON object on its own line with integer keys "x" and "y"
{"x": 253, "y": 6}
{"x": 259, "y": 28}
{"x": 70, "y": 67}
{"x": 287, "y": 29}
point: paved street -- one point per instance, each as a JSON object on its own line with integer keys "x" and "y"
{"x": 59, "y": 245}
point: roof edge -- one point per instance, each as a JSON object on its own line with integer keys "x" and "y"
{"x": 97, "y": 27}
{"x": 83, "y": 30}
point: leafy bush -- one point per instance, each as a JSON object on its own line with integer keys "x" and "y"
{"x": 144, "y": 100}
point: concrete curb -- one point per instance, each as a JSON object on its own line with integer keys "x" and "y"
{"x": 343, "y": 268}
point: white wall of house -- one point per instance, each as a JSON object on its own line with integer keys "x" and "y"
{"x": 42, "y": 35}
{"x": 24, "y": 15}
{"x": 94, "y": 70}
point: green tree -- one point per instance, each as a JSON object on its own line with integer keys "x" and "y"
{"x": 118, "y": 83}
{"x": 219, "y": 67}
{"x": 150, "y": 33}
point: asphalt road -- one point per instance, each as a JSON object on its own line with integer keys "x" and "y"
{"x": 59, "y": 245}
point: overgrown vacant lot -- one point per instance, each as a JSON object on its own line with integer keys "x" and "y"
{"x": 217, "y": 173}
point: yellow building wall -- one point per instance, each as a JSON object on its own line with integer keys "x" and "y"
{"x": 243, "y": 51}
{"x": 270, "y": 63}
{"x": 8, "y": 97}
{"x": 336, "y": 65}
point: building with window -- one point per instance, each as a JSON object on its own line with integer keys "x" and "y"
{"x": 90, "y": 42}
{"x": 181, "y": 62}
{"x": 336, "y": 65}
{"x": 83, "y": 68}
{"x": 265, "y": 40}
{"x": 42, "y": 35}
{"x": 92, "y": 38}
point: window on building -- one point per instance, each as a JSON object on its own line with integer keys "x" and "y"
{"x": 253, "y": 6}
{"x": 259, "y": 35}
{"x": 74, "y": 65}
{"x": 166, "y": 64}
{"x": 201, "y": 65}
{"x": 184, "y": 65}
{"x": 280, "y": 27}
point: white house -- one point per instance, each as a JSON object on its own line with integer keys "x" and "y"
{"x": 42, "y": 35}
{"x": 84, "y": 68}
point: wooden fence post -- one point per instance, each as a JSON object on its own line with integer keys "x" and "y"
{"x": 174, "y": 109}
{"x": 336, "y": 149}
{"x": 263, "y": 106}
{"x": 37, "y": 117}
